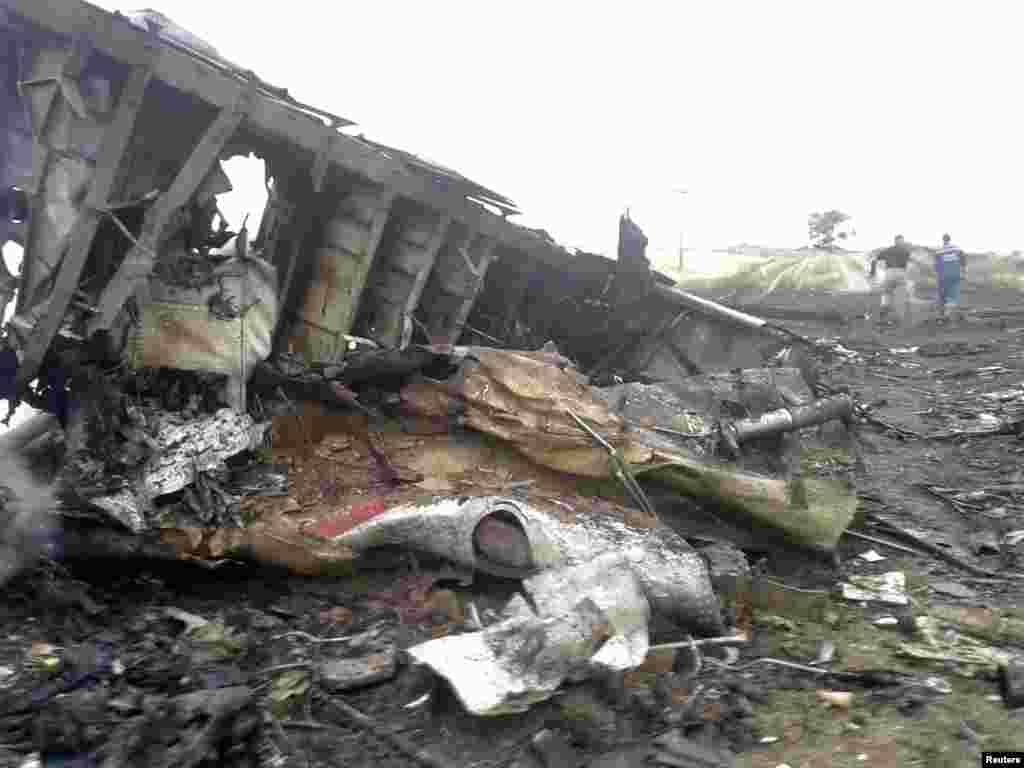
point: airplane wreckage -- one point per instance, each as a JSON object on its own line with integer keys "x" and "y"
{"x": 388, "y": 359}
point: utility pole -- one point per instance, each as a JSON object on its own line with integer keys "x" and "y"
{"x": 682, "y": 259}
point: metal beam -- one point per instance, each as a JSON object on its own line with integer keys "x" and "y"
{"x": 108, "y": 160}
{"x": 420, "y": 282}
{"x": 140, "y": 260}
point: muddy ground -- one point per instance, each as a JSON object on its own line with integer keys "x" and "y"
{"x": 89, "y": 652}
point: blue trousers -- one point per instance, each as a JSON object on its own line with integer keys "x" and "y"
{"x": 949, "y": 284}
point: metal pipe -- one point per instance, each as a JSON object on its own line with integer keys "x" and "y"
{"x": 793, "y": 418}
{"x": 682, "y": 298}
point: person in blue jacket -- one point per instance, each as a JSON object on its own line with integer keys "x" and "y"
{"x": 950, "y": 268}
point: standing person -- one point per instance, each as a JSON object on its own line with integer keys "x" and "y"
{"x": 950, "y": 267}
{"x": 894, "y": 284}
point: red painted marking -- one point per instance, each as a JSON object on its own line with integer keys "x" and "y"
{"x": 332, "y": 527}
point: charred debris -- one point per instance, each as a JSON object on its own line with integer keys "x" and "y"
{"x": 383, "y": 290}
{"x": 384, "y": 359}
{"x": 384, "y": 370}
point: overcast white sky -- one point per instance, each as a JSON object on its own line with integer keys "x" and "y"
{"x": 905, "y": 114}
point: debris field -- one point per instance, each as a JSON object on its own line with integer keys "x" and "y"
{"x": 392, "y": 480}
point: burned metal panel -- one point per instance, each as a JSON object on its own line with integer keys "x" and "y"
{"x": 180, "y": 327}
{"x": 341, "y": 264}
{"x": 455, "y": 282}
{"x": 400, "y": 273}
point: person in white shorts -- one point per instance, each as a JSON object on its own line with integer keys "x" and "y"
{"x": 894, "y": 282}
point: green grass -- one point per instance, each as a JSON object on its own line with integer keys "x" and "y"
{"x": 801, "y": 270}
{"x": 930, "y": 738}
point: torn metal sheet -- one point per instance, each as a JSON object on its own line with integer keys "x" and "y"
{"x": 522, "y": 398}
{"x": 512, "y": 538}
{"x": 589, "y": 617}
{"x": 185, "y": 448}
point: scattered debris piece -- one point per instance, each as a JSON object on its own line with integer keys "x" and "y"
{"x": 951, "y": 349}
{"x": 288, "y": 687}
{"x": 888, "y": 588}
{"x": 680, "y": 752}
{"x": 836, "y": 699}
{"x": 1011, "y": 679}
{"x": 590, "y": 616}
{"x": 985, "y": 543}
{"x": 966, "y": 654}
{"x": 952, "y": 589}
{"x": 346, "y": 674}
{"x": 871, "y": 556}
{"x": 554, "y": 750}
{"x": 826, "y": 652}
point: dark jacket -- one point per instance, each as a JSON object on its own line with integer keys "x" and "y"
{"x": 895, "y": 257}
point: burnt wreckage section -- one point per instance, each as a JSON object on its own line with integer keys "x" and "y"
{"x": 144, "y": 322}
{"x": 114, "y": 132}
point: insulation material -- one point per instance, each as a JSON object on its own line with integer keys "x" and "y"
{"x": 184, "y": 449}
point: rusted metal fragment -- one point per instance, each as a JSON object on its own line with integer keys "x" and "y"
{"x": 184, "y": 449}
{"x": 340, "y": 268}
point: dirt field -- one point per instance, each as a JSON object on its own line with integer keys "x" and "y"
{"x": 122, "y": 655}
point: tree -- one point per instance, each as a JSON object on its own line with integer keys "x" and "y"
{"x": 823, "y": 229}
